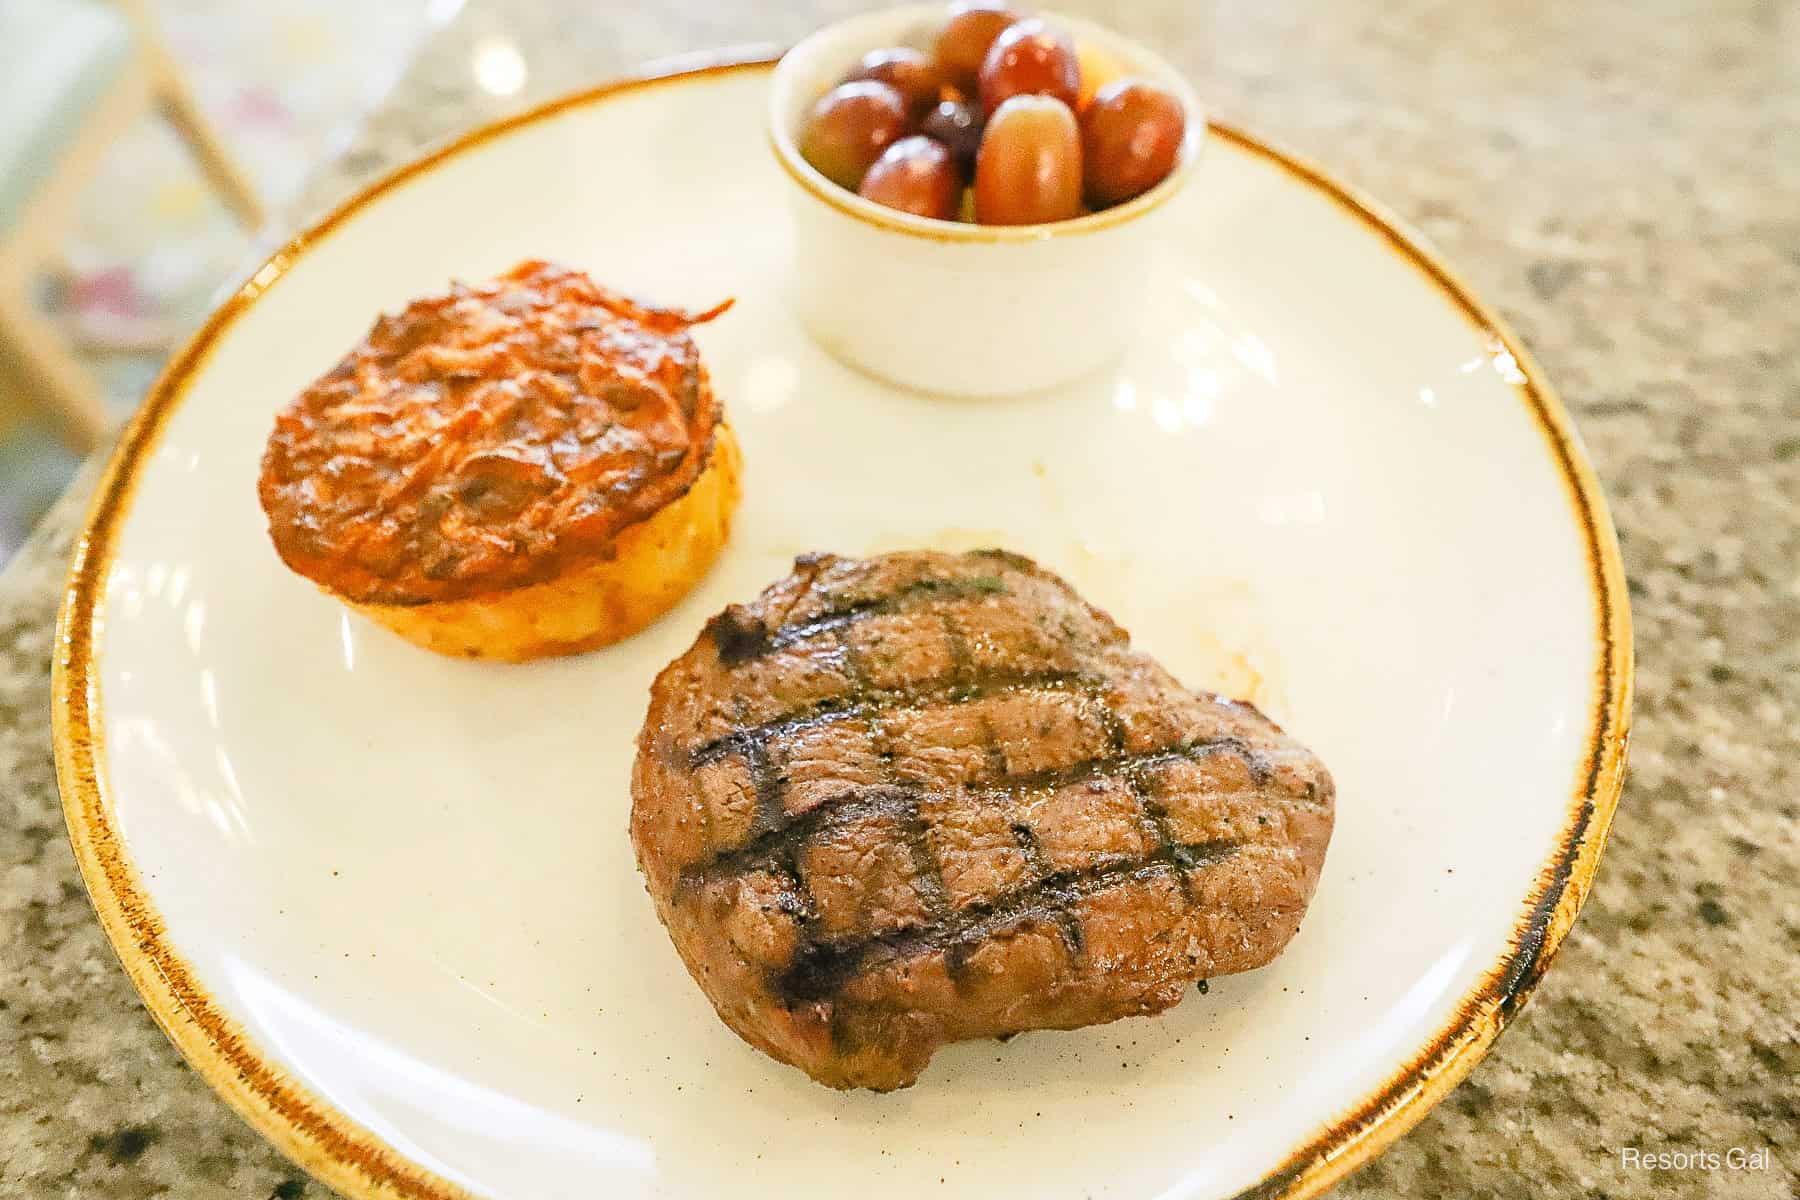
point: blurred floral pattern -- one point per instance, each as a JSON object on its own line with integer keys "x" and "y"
{"x": 284, "y": 81}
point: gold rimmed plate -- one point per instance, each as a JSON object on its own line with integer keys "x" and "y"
{"x": 385, "y": 903}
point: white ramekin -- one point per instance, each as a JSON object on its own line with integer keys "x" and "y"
{"x": 962, "y": 309}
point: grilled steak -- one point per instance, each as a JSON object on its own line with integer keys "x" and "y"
{"x": 902, "y": 801}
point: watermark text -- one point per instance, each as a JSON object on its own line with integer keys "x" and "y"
{"x": 1735, "y": 1158}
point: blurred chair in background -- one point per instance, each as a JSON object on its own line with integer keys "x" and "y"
{"x": 73, "y": 75}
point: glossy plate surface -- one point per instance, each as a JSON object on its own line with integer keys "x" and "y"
{"x": 385, "y": 901}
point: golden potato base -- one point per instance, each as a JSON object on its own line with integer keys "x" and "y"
{"x": 653, "y": 564}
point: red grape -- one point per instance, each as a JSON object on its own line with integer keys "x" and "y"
{"x": 957, "y": 124}
{"x": 906, "y": 70}
{"x": 962, "y": 44}
{"x": 1130, "y": 137}
{"x": 915, "y": 175}
{"x": 1029, "y": 168}
{"x": 1029, "y": 58}
{"x": 849, "y": 128}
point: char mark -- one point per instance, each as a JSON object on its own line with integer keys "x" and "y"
{"x": 766, "y": 778}
{"x": 1017, "y": 562}
{"x": 739, "y": 635}
{"x": 1139, "y": 765}
{"x": 1067, "y": 923}
{"x": 745, "y": 637}
{"x": 821, "y": 968}
{"x": 777, "y": 846}
{"x": 776, "y": 838}
{"x": 873, "y": 702}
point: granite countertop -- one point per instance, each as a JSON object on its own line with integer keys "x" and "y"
{"x": 1619, "y": 177}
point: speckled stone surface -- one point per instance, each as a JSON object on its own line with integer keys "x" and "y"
{"x": 1620, "y": 178}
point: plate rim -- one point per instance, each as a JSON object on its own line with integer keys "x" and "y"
{"x": 346, "y": 1156}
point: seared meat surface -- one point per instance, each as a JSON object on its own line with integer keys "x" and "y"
{"x": 903, "y": 801}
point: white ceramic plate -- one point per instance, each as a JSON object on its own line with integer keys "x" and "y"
{"x": 385, "y": 902}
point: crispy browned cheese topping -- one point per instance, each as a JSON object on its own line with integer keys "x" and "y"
{"x": 484, "y": 438}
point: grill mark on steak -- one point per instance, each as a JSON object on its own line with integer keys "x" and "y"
{"x": 962, "y": 666}
{"x": 795, "y": 898}
{"x": 778, "y": 848}
{"x": 1109, "y": 765}
{"x": 740, "y": 638}
{"x": 1155, "y": 819}
{"x": 928, "y": 873}
{"x": 990, "y": 748}
{"x": 1067, "y": 923}
{"x": 872, "y": 702}
{"x": 738, "y": 635}
{"x": 765, "y": 849}
{"x": 1152, "y": 817}
{"x": 821, "y": 968}
{"x": 770, "y": 787}
{"x": 962, "y": 663}
{"x": 1007, "y": 558}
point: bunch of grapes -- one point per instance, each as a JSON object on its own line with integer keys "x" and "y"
{"x": 1004, "y": 122}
